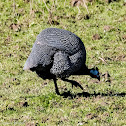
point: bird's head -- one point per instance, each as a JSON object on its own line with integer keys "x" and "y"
{"x": 94, "y": 72}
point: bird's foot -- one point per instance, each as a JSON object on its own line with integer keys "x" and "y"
{"x": 76, "y": 84}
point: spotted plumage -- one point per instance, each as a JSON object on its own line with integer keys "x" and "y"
{"x": 57, "y": 53}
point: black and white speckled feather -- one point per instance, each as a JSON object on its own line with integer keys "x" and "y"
{"x": 59, "y": 53}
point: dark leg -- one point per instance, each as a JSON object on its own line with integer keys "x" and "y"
{"x": 56, "y": 87}
{"x": 73, "y": 83}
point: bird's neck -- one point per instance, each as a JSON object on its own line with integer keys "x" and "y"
{"x": 83, "y": 71}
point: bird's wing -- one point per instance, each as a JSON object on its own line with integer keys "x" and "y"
{"x": 61, "y": 65}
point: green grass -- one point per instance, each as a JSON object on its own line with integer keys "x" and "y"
{"x": 26, "y": 99}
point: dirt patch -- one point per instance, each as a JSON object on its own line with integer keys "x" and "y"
{"x": 53, "y": 20}
{"x": 108, "y": 28}
{"x": 91, "y": 116}
{"x": 31, "y": 124}
{"x": 96, "y": 37}
{"x": 124, "y": 4}
{"x": 23, "y": 104}
{"x": 124, "y": 37}
{"x": 15, "y": 27}
{"x": 76, "y": 3}
{"x": 119, "y": 58}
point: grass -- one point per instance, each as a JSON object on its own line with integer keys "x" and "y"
{"x": 27, "y": 100}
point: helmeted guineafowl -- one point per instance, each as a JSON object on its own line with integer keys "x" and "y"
{"x": 59, "y": 53}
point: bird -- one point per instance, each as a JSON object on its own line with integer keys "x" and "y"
{"x": 58, "y": 54}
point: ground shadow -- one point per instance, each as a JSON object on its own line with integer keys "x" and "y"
{"x": 86, "y": 94}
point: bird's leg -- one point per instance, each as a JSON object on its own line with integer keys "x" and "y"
{"x": 73, "y": 82}
{"x": 56, "y": 87}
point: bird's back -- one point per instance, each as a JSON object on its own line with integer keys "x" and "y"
{"x": 60, "y": 39}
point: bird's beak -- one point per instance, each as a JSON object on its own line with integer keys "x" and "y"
{"x": 98, "y": 78}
